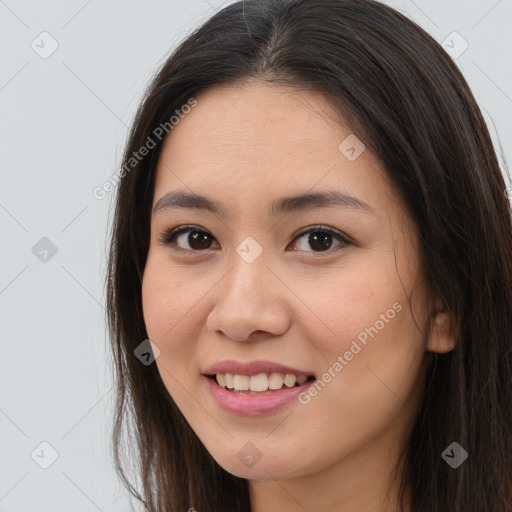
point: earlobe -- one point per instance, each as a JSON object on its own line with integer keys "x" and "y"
{"x": 442, "y": 339}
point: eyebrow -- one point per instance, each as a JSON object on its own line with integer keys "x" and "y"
{"x": 283, "y": 205}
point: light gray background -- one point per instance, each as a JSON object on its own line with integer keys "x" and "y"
{"x": 64, "y": 120}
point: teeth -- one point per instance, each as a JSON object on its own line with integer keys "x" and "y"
{"x": 221, "y": 379}
{"x": 228, "y": 377}
{"x": 276, "y": 381}
{"x": 241, "y": 382}
{"x": 259, "y": 383}
{"x": 290, "y": 380}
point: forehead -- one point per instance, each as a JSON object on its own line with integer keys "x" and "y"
{"x": 254, "y": 140}
{"x": 256, "y": 120}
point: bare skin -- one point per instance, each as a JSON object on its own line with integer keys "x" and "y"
{"x": 245, "y": 145}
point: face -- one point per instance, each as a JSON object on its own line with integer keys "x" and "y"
{"x": 321, "y": 291}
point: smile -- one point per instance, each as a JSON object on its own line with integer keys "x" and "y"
{"x": 260, "y": 383}
{"x": 255, "y": 387}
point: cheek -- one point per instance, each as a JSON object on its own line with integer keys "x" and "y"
{"x": 371, "y": 349}
{"x": 357, "y": 308}
{"x": 167, "y": 299}
{"x": 168, "y": 306}
{"x": 375, "y": 363}
{"x": 156, "y": 303}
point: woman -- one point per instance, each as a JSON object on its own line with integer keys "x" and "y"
{"x": 313, "y": 230}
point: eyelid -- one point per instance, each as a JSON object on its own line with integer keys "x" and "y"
{"x": 168, "y": 236}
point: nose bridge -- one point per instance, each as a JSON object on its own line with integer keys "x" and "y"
{"x": 248, "y": 273}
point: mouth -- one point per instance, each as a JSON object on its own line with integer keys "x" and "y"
{"x": 256, "y": 387}
{"x": 260, "y": 384}
{"x": 256, "y": 395}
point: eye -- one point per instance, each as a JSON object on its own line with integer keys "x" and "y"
{"x": 320, "y": 238}
{"x": 197, "y": 239}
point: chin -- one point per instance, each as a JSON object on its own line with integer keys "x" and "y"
{"x": 282, "y": 468}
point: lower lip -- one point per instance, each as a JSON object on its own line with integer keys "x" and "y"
{"x": 253, "y": 405}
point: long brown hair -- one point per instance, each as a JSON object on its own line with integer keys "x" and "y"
{"x": 408, "y": 102}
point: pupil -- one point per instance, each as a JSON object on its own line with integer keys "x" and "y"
{"x": 323, "y": 240}
{"x": 197, "y": 238}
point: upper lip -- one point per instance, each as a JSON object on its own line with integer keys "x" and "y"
{"x": 252, "y": 368}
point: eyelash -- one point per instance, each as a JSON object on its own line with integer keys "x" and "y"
{"x": 168, "y": 237}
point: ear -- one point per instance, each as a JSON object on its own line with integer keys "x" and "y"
{"x": 442, "y": 338}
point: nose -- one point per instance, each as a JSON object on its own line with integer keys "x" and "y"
{"x": 250, "y": 299}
